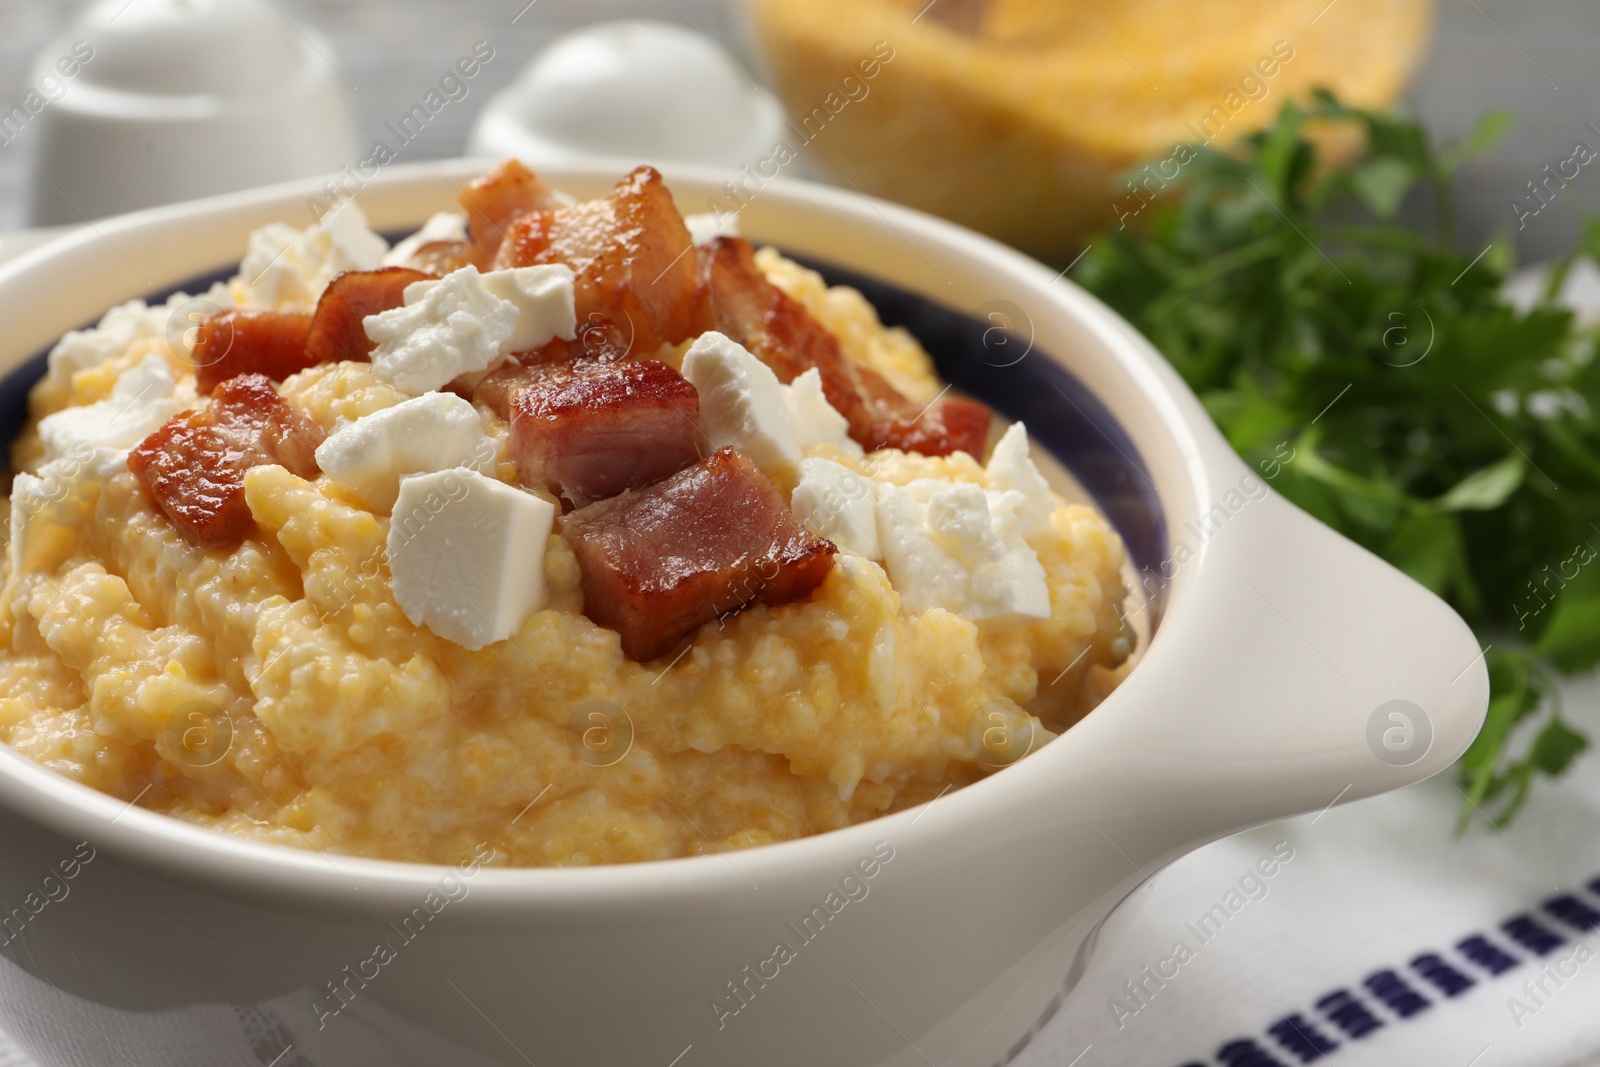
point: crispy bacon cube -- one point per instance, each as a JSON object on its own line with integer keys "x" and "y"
{"x": 630, "y": 251}
{"x": 949, "y": 424}
{"x": 500, "y": 386}
{"x": 497, "y": 389}
{"x": 238, "y": 341}
{"x": 712, "y": 539}
{"x": 193, "y": 467}
{"x": 495, "y": 200}
{"x": 592, "y": 431}
{"x": 598, "y": 341}
{"x": 739, "y": 301}
{"x": 439, "y": 258}
{"x": 336, "y": 333}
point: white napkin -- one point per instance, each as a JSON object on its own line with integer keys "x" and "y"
{"x": 1370, "y": 886}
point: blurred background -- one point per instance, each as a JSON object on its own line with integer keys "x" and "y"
{"x": 1078, "y": 63}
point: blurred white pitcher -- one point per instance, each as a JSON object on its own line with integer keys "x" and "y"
{"x": 146, "y": 102}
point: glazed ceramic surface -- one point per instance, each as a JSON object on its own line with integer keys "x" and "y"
{"x": 1288, "y": 669}
{"x": 181, "y": 99}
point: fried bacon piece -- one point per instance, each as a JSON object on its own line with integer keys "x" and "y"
{"x": 336, "y": 333}
{"x": 712, "y": 539}
{"x": 439, "y": 258}
{"x": 591, "y": 431}
{"x": 739, "y": 301}
{"x": 499, "y": 387}
{"x": 193, "y": 467}
{"x": 949, "y": 424}
{"x": 495, "y": 200}
{"x": 238, "y": 341}
{"x": 630, "y": 251}
{"x": 598, "y": 341}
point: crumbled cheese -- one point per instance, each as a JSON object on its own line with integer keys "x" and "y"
{"x": 134, "y": 321}
{"x": 542, "y": 304}
{"x": 707, "y": 227}
{"x": 814, "y": 419}
{"x": 272, "y": 271}
{"x": 467, "y": 555}
{"x": 143, "y": 398}
{"x": 81, "y": 349}
{"x": 444, "y": 226}
{"x": 47, "y": 508}
{"x": 835, "y": 502}
{"x": 545, "y": 301}
{"x": 742, "y": 403}
{"x": 1015, "y": 588}
{"x": 454, "y": 326}
{"x": 283, "y": 265}
{"x": 1011, "y": 469}
{"x": 943, "y": 549}
{"x": 432, "y": 432}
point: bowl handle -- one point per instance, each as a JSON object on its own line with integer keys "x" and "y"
{"x": 1293, "y": 670}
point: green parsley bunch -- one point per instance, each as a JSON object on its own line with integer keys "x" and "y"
{"x": 1378, "y": 377}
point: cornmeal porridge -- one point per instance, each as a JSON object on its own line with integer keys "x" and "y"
{"x": 534, "y": 530}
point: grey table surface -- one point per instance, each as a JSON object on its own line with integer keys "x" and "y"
{"x": 1534, "y": 57}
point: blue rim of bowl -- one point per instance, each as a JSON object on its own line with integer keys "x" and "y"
{"x": 1061, "y": 413}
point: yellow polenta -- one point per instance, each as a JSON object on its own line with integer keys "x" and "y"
{"x": 1020, "y": 118}
{"x": 353, "y": 730}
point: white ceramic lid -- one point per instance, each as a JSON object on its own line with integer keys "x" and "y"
{"x": 647, "y": 91}
{"x": 222, "y": 48}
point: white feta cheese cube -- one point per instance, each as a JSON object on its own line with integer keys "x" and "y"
{"x": 432, "y": 432}
{"x": 921, "y": 571}
{"x": 81, "y": 349}
{"x": 1011, "y": 469}
{"x": 140, "y": 402}
{"x": 1006, "y": 512}
{"x": 742, "y": 403}
{"x": 942, "y": 550}
{"x": 814, "y": 420}
{"x": 545, "y": 303}
{"x": 414, "y": 292}
{"x": 1006, "y": 580}
{"x": 127, "y": 323}
{"x": 835, "y": 502}
{"x": 286, "y": 266}
{"x": 1013, "y": 589}
{"x": 343, "y": 241}
{"x": 48, "y": 508}
{"x": 706, "y": 227}
{"x": 443, "y": 226}
{"x": 456, "y": 326}
{"x": 272, "y": 272}
{"x": 467, "y": 555}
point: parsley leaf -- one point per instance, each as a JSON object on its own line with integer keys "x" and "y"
{"x": 1376, "y": 376}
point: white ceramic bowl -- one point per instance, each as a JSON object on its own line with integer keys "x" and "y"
{"x": 1265, "y": 692}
